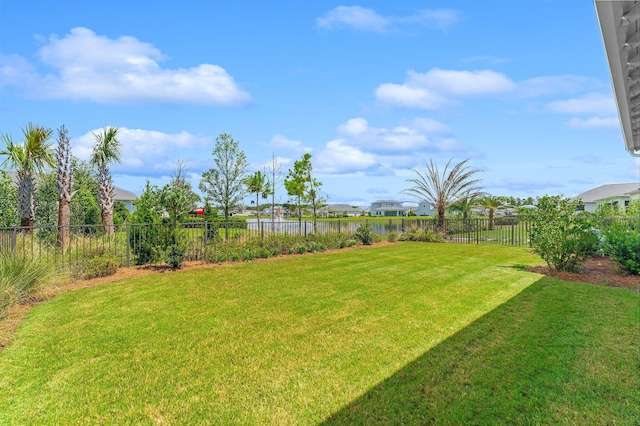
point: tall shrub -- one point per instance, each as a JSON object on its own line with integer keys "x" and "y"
{"x": 623, "y": 245}
{"x": 564, "y": 239}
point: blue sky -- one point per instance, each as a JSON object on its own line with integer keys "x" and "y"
{"x": 370, "y": 89}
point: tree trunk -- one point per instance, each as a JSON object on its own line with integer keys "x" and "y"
{"x": 441, "y": 224}
{"x": 258, "y": 209}
{"x": 107, "y": 222}
{"x": 64, "y": 221}
{"x": 490, "y": 219}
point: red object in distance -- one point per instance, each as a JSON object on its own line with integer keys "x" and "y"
{"x": 199, "y": 212}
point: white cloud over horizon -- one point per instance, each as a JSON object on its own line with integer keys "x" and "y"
{"x": 151, "y": 153}
{"x": 90, "y": 67}
{"x": 365, "y": 19}
{"x": 436, "y": 87}
{"x": 378, "y": 151}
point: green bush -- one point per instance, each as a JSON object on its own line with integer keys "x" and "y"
{"x": 102, "y": 265}
{"x": 392, "y": 237}
{"x": 562, "y": 238}
{"x": 623, "y": 245}
{"x": 20, "y": 276}
{"x": 364, "y": 234}
{"x": 143, "y": 239}
{"x": 158, "y": 243}
{"x": 171, "y": 246}
{"x": 421, "y": 234}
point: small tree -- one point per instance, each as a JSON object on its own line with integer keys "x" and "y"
{"x": 148, "y": 206}
{"x": 446, "y": 188}
{"x": 31, "y": 157}
{"x": 106, "y": 151}
{"x": 491, "y": 203}
{"x": 258, "y": 184}
{"x": 275, "y": 170}
{"x": 303, "y": 187}
{"x": 177, "y": 197}
{"x": 564, "y": 239}
{"x": 224, "y": 183}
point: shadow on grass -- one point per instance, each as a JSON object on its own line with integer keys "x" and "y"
{"x": 557, "y": 353}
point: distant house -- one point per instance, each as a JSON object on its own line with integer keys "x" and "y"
{"x": 125, "y": 197}
{"x": 388, "y": 208}
{"x": 337, "y": 210}
{"x": 425, "y": 209}
{"x": 615, "y": 194}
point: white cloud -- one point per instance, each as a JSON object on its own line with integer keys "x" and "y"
{"x": 341, "y": 158}
{"x": 365, "y": 19}
{"x": 95, "y": 68}
{"x": 433, "y": 18}
{"x": 382, "y": 140}
{"x": 436, "y": 87}
{"x": 551, "y": 85}
{"x": 282, "y": 142}
{"x": 594, "y": 122}
{"x": 379, "y": 151}
{"x": 355, "y": 17}
{"x": 591, "y": 103}
{"x": 152, "y": 153}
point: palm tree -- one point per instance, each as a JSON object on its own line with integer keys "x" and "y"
{"x": 492, "y": 204}
{"x": 442, "y": 190}
{"x": 464, "y": 205}
{"x": 258, "y": 184}
{"x": 105, "y": 151}
{"x": 65, "y": 186}
{"x": 28, "y": 158}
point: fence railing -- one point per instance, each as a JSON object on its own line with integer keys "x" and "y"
{"x": 130, "y": 243}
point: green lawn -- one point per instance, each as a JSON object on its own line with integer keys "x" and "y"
{"x": 408, "y": 333}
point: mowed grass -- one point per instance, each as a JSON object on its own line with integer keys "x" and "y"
{"x": 407, "y": 333}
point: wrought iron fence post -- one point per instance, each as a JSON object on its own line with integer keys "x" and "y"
{"x": 13, "y": 240}
{"x": 128, "y": 247}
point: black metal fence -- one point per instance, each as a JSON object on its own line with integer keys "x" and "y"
{"x": 132, "y": 244}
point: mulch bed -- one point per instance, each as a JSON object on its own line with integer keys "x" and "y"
{"x": 599, "y": 270}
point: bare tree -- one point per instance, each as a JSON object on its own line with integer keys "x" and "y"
{"x": 274, "y": 167}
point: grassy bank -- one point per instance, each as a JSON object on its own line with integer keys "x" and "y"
{"x": 408, "y": 332}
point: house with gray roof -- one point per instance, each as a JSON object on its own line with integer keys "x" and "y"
{"x": 338, "y": 210}
{"x": 388, "y": 208}
{"x": 616, "y": 194}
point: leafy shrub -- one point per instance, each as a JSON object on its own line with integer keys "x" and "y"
{"x": 623, "y": 245}
{"x": 364, "y": 234}
{"x": 392, "y": 237}
{"x": 421, "y": 234}
{"x": 158, "y": 243}
{"x": 562, "y": 238}
{"x": 142, "y": 239}
{"x": 102, "y": 265}
{"x": 171, "y": 246}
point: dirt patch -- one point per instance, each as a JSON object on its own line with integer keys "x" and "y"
{"x": 599, "y": 270}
